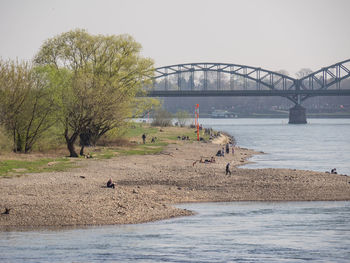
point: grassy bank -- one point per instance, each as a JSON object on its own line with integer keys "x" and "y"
{"x": 20, "y": 167}
{"x": 132, "y": 143}
{"x": 19, "y": 164}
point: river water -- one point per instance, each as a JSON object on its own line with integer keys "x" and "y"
{"x": 320, "y": 145}
{"x": 222, "y": 232}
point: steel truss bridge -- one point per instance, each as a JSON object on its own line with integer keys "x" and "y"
{"x": 221, "y": 79}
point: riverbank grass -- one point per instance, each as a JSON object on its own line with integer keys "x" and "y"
{"x": 20, "y": 167}
{"x": 133, "y": 144}
{"x": 130, "y": 144}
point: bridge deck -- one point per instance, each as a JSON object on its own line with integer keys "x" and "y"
{"x": 237, "y": 93}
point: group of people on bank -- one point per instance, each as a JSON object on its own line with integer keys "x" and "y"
{"x": 226, "y": 149}
{"x": 220, "y": 153}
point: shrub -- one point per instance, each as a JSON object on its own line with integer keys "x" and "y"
{"x": 5, "y": 142}
{"x": 162, "y": 118}
{"x": 182, "y": 118}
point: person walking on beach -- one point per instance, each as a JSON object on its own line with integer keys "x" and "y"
{"x": 144, "y": 138}
{"x": 228, "y": 169}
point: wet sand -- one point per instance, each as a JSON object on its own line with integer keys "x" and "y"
{"x": 148, "y": 186}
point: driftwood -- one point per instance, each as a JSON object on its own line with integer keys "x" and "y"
{"x": 7, "y": 211}
{"x": 165, "y": 153}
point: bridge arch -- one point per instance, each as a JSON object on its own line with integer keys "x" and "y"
{"x": 262, "y": 77}
{"x": 325, "y": 82}
{"x": 327, "y": 78}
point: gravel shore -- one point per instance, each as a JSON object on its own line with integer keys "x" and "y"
{"x": 147, "y": 186}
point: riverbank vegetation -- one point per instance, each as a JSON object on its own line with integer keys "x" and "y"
{"x": 79, "y": 88}
{"x": 157, "y": 138}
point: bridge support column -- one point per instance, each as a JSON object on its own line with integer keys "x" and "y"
{"x": 297, "y": 115}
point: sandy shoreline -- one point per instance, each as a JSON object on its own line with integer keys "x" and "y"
{"x": 147, "y": 187}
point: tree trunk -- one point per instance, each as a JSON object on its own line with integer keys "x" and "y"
{"x": 70, "y": 143}
{"x": 19, "y": 146}
{"x": 71, "y": 149}
{"x": 27, "y": 149}
{"x": 14, "y": 141}
{"x": 82, "y": 150}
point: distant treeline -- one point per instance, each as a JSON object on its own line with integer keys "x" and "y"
{"x": 252, "y": 105}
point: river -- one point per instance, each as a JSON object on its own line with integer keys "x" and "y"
{"x": 220, "y": 232}
{"x": 320, "y": 145}
{"x": 223, "y": 232}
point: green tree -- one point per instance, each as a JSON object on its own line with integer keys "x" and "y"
{"x": 105, "y": 74}
{"x": 26, "y": 104}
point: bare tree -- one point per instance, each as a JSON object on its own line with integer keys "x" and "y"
{"x": 303, "y": 72}
{"x": 26, "y": 104}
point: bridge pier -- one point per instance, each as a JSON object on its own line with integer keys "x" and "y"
{"x": 297, "y": 115}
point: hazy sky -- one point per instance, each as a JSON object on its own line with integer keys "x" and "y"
{"x": 272, "y": 34}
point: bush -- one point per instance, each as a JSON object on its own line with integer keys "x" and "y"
{"x": 162, "y": 118}
{"x": 182, "y": 117}
{"x": 114, "y": 137}
{"x": 5, "y": 142}
{"x": 52, "y": 139}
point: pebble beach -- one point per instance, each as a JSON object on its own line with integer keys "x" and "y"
{"x": 148, "y": 187}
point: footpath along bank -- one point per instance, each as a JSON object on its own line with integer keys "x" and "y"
{"x": 147, "y": 187}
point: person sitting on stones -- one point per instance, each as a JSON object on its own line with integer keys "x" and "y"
{"x": 110, "y": 183}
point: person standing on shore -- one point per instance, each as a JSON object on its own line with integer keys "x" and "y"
{"x": 228, "y": 169}
{"x": 144, "y": 138}
{"x": 233, "y": 150}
